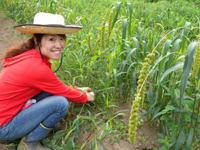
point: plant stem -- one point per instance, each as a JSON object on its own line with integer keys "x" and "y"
{"x": 194, "y": 89}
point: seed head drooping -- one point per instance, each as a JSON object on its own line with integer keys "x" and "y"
{"x": 133, "y": 120}
{"x": 93, "y": 3}
{"x": 161, "y": 26}
{"x": 139, "y": 97}
{"x": 196, "y": 63}
{"x": 95, "y": 45}
{"x": 111, "y": 66}
{"x": 103, "y": 33}
{"x": 141, "y": 80}
{"x": 110, "y": 23}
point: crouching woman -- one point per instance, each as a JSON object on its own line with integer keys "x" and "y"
{"x": 32, "y": 99}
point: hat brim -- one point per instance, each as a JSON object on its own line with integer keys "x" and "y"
{"x": 47, "y": 29}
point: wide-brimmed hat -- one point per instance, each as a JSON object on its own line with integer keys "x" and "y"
{"x": 46, "y": 23}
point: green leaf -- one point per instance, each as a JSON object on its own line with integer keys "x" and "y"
{"x": 130, "y": 69}
{"x": 187, "y": 67}
{"x": 145, "y": 48}
{"x": 171, "y": 69}
{"x": 124, "y": 27}
{"x": 165, "y": 117}
{"x": 175, "y": 45}
{"x": 130, "y": 17}
{"x": 185, "y": 34}
{"x": 181, "y": 139}
{"x": 166, "y": 47}
{"x": 165, "y": 50}
{"x": 187, "y": 117}
{"x": 189, "y": 139}
{"x": 68, "y": 134}
{"x": 156, "y": 115}
{"x": 189, "y": 103}
{"x": 150, "y": 93}
{"x": 130, "y": 54}
{"x": 117, "y": 13}
{"x": 102, "y": 135}
{"x": 173, "y": 49}
{"x": 137, "y": 44}
{"x": 168, "y": 108}
{"x": 102, "y": 144}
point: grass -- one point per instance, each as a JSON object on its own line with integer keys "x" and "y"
{"x": 108, "y": 54}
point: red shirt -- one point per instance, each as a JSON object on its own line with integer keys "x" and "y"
{"x": 25, "y": 76}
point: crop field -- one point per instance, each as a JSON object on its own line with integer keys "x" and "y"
{"x": 143, "y": 52}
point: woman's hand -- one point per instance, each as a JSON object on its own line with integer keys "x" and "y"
{"x": 84, "y": 89}
{"x": 90, "y": 96}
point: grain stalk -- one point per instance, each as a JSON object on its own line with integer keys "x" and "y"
{"x": 111, "y": 66}
{"x": 95, "y": 45}
{"x": 110, "y": 23}
{"x": 103, "y": 33}
{"x": 161, "y": 26}
{"x": 89, "y": 43}
{"x": 93, "y": 3}
{"x": 196, "y": 63}
{"x": 140, "y": 94}
{"x": 133, "y": 118}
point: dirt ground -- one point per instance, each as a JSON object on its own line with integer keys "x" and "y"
{"x": 147, "y": 136}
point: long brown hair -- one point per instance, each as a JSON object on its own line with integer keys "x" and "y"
{"x": 25, "y": 46}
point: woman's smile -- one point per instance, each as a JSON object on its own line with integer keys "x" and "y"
{"x": 52, "y": 46}
{"x": 56, "y": 51}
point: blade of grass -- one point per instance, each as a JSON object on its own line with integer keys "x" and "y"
{"x": 174, "y": 48}
{"x": 116, "y": 15}
{"x": 184, "y": 36}
{"x": 145, "y": 49}
{"x": 124, "y": 27}
{"x": 176, "y": 66}
{"x": 165, "y": 50}
{"x": 101, "y": 144}
{"x": 187, "y": 67}
{"x": 137, "y": 45}
{"x": 130, "y": 17}
{"x": 189, "y": 139}
{"x": 181, "y": 139}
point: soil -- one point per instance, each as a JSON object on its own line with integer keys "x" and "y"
{"x": 146, "y": 135}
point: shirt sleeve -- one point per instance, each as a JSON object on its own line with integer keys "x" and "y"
{"x": 42, "y": 78}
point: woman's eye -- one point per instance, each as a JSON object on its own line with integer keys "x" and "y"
{"x": 62, "y": 39}
{"x": 52, "y": 39}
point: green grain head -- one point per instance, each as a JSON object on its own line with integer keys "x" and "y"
{"x": 103, "y": 33}
{"x": 196, "y": 63}
{"x": 110, "y": 23}
{"x": 133, "y": 120}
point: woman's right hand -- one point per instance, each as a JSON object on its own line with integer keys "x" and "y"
{"x": 90, "y": 96}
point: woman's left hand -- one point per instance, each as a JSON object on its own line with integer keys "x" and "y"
{"x": 85, "y": 89}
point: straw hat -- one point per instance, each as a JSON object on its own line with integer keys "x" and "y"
{"x": 46, "y": 23}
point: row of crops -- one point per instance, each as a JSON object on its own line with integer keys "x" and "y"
{"x": 143, "y": 52}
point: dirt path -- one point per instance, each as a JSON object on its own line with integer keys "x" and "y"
{"x": 8, "y": 37}
{"x": 147, "y": 136}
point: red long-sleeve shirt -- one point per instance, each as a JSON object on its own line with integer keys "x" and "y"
{"x": 25, "y": 76}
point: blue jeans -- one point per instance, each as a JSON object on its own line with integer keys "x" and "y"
{"x": 36, "y": 121}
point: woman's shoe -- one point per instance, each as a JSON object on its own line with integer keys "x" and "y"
{"x": 31, "y": 145}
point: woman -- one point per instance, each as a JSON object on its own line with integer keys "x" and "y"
{"x": 32, "y": 99}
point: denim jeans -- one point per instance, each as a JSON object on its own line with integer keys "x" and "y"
{"x": 48, "y": 111}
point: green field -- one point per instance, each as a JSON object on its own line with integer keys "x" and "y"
{"x": 143, "y": 52}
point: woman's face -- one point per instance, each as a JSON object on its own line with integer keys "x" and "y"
{"x": 52, "y": 46}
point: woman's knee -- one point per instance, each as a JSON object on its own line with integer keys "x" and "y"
{"x": 54, "y": 103}
{"x": 62, "y": 102}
